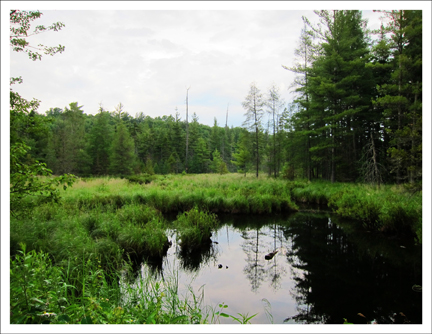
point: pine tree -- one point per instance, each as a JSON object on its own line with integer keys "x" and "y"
{"x": 242, "y": 154}
{"x": 401, "y": 97}
{"x": 69, "y": 131}
{"x": 306, "y": 53}
{"x": 100, "y": 140}
{"x": 340, "y": 91}
{"x": 122, "y": 157}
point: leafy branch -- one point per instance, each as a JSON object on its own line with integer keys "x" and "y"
{"x": 19, "y": 30}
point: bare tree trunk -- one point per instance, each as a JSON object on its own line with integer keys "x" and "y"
{"x": 226, "y": 133}
{"x": 375, "y": 161}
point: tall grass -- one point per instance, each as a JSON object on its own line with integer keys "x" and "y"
{"x": 42, "y": 293}
{"x": 195, "y": 227}
{"x": 68, "y": 258}
{"x": 216, "y": 193}
{"x": 388, "y": 209}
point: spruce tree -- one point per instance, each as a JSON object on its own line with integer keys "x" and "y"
{"x": 122, "y": 157}
{"x": 100, "y": 140}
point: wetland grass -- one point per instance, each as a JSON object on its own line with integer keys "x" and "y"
{"x": 82, "y": 244}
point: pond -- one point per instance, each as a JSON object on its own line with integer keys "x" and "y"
{"x": 324, "y": 271}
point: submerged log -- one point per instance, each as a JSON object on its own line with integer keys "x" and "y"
{"x": 269, "y": 256}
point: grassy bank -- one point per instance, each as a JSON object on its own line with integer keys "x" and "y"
{"x": 78, "y": 250}
{"x": 230, "y": 193}
{"x": 390, "y": 209}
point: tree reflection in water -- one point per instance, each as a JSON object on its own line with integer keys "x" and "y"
{"x": 324, "y": 272}
{"x": 366, "y": 275}
{"x": 192, "y": 258}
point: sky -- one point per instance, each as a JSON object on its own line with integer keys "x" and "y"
{"x": 146, "y": 57}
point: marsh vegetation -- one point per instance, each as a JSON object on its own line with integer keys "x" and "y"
{"x": 74, "y": 254}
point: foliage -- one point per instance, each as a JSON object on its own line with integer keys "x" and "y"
{"x": 218, "y": 165}
{"x": 24, "y": 172}
{"x": 195, "y": 227}
{"x": 242, "y": 156}
{"x": 140, "y": 179}
{"x": 41, "y": 293}
{"x": 20, "y": 21}
{"x": 25, "y": 182}
{"x": 100, "y": 140}
{"x": 122, "y": 158}
{"x": 287, "y": 172}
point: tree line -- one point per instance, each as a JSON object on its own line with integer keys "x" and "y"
{"x": 357, "y": 116}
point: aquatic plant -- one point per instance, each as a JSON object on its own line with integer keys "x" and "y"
{"x": 195, "y": 227}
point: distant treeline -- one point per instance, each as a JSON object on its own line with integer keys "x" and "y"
{"x": 357, "y": 118}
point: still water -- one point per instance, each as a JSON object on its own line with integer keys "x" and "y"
{"x": 324, "y": 271}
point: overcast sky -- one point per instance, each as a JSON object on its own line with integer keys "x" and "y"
{"x": 146, "y": 58}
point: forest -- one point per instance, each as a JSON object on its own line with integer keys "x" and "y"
{"x": 357, "y": 118}
{"x": 93, "y": 193}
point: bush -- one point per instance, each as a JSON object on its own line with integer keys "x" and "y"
{"x": 37, "y": 289}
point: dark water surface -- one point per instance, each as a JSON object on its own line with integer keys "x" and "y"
{"x": 324, "y": 271}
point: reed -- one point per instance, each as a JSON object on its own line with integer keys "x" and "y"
{"x": 43, "y": 293}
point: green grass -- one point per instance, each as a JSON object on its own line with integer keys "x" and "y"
{"x": 215, "y": 193}
{"x": 389, "y": 209}
{"x": 82, "y": 244}
{"x": 44, "y": 293}
{"x": 195, "y": 227}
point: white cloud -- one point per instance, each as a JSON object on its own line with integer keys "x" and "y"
{"x": 145, "y": 59}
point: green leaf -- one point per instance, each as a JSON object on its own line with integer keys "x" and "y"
{"x": 64, "y": 317}
{"x": 105, "y": 305}
{"x": 179, "y": 318}
{"x": 86, "y": 321}
{"x": 37, "y": 300}
{"x": 224, "y": 315}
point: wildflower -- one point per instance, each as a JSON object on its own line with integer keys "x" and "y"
{"x": 45, "y": 314}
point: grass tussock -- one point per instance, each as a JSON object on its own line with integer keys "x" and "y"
{"x": 195, "y": 227}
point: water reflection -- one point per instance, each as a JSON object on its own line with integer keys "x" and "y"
{"x": 191, "y": 259}
{"x": 322, "y": 273}
{"x": 350, "y": 274}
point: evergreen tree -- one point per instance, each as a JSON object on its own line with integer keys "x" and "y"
{"x": 69, "y": 140}
{"x": 242, "y": 154}
{"x": 100, "y": 140}
{"x": 401, "y": 96}
{"x": 306, "y": 53}
{"x": 122, "y": 157}
{"x": 218, "y": 165}
{"x": 340, "y": 90}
